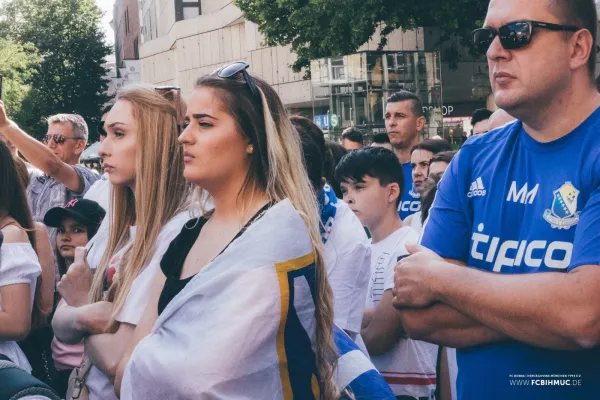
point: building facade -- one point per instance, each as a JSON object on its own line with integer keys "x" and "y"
{"x": 185, "y": 39}
{"x": 127, "y": 28}
{"x": 177, "y": 52}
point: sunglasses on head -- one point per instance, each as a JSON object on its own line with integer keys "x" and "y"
{"x": 231, "y": 70}
{"x": 58, "y": 138}
{"x": 514, "y": 35}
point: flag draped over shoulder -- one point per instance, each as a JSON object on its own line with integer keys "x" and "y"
{"x": 243, "y": 327}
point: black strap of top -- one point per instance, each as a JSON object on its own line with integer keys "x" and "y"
{"x": 250, "y": 222}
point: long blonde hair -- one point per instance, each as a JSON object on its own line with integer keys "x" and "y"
{"x": 160, "y": 192}
{"x": 278, "y": 169}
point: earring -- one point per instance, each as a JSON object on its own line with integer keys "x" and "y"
{"x": 250, "y": 149}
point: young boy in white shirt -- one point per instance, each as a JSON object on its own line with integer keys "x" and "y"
{"x": 372, "y": 181}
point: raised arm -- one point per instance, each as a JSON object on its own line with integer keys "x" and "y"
{"x": 39, "y": 155}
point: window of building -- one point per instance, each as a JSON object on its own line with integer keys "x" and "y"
{"x": 187, "y": 9}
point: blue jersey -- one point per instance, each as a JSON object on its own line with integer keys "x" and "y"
{"x": 512, "y": 205}
{"x": 410, "y": 202}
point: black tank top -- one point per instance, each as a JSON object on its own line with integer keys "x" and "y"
{"x": 172, "y": 262}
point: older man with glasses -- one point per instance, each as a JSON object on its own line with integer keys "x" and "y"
{"x": 63, "y": 177}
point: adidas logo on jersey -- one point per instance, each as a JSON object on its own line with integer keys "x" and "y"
{"x": 477, "y": 189}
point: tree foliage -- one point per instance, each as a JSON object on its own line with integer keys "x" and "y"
{"x": 72, "y": 46}
{"x": 323, "y": 28}
{"x": 18, "y": 64}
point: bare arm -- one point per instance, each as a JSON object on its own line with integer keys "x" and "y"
{"x": 39, "y": 155}
{"x": 15, "y": 313}
{"x": 385, "y": 328}
{"x": 107, "y": 349}
{"x": 143, "y": 328}
{"x": 46, "y": 257}
{"x": 72, "y": 324}
{"x": 553, "y": 310}
{"x": 444, "y": 325}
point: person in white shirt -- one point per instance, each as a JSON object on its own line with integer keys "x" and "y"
{"x": 149, "y": 208}
{"x": 372, "y": 180}
{"x": 19, "y": 264}
{"x": 347, "y": 248}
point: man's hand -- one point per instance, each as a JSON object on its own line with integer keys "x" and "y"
{"x": 413, "y": 278}
{"x": 94, "y": 318}
{"x": 75, "y": 285}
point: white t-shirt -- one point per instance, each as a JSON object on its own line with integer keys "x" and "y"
{"x": 409, "y": 366}
{"x": 100, "y": 192}
{"x": 98, "y": 384}
{"x": 348, "y": 262}
{"x": 18, "y": 265}
{"x": 416, "y": 223}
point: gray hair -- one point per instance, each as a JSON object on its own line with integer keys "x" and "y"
{"x": 80, "y": 128}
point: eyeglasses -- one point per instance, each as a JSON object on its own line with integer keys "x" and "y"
{"x": 231, "y": 70}
{"x": 514, "y": 35}
{"x": 58, "y": 138}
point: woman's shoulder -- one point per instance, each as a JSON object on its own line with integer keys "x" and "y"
{"x": 14, "y": 234}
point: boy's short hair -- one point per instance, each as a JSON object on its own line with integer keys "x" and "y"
{"x": 444, "y": 156}
{"x": 381, "y": 138}
{"x": 376, "y": 162}
{"x": 354, "y": 135}
{"x": 433, "y": 145}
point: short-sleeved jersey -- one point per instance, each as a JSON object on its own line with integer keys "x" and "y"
{"x": 410, "y": 202}
{"x": 511, "y": 205}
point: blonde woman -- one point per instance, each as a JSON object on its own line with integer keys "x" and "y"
{"x": 242, "y": 308}
{"x": 145, "y": 167}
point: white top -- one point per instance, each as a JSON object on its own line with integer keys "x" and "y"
{"x": 409, "y": 366}
{"x": 239, "y": 325}
{"x": 348, "y": 262}
{"x": 416, "y": 223}
{"x": 100, "y": 192}
{"x": 98, "y": 384}
{"x": 18, "y": 265}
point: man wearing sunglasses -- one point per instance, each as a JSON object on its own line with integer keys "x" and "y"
{"x": 521, "y": 207}
{"x": 57, "y": 157}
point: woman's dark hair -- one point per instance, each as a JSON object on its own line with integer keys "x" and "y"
{"x": 22, "y": 172}
{"x": 335, "y": 152}
{"x": 444, "y": 156}
{"x": 13, "y": 200}
{"x": 313, "y": 148}
{"x": 13, "y": 204}
{"x": 429, "y": 191}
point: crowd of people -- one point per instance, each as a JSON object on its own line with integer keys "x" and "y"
{"x": 230, "y": 251}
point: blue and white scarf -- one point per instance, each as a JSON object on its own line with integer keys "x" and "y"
{"x": 328, "y": 208}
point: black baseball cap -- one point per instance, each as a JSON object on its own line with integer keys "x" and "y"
{"x": 87, "y": 212}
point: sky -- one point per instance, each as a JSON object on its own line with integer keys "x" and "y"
{"x": 106, "y": 6}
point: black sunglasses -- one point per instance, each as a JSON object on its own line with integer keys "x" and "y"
{"x": 58, "y": 138}
{"x": 514, "y": 35}
{"x": 231, "y": 70}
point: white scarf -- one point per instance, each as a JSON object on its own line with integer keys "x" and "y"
{"x": 243, "y": 327}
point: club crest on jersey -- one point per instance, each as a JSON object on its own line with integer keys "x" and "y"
{"x": 563, "y": 214}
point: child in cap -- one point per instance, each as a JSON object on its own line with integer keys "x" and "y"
{"x": 77, "y": 223}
